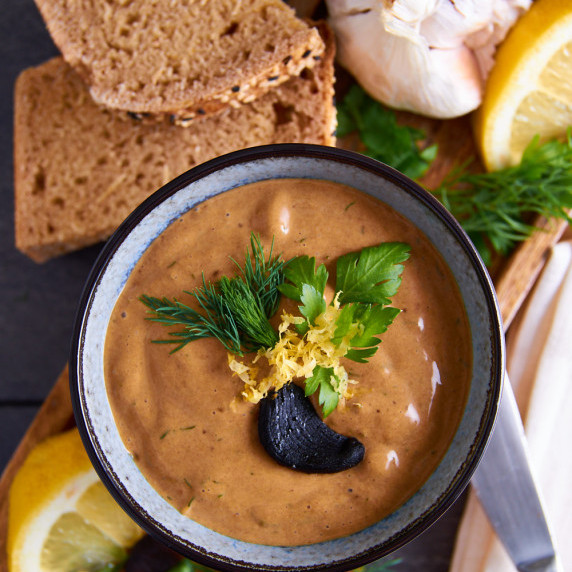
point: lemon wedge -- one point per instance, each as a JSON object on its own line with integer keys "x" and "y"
{"x": 61, "y": 517}
{"x": 529, "y": 90}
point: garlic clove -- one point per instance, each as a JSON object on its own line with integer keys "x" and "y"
{"x": 415, "y": 55}
{"x": 483, "y": 42}
{"x": 450, "y": 24}
{"x": 293, "y": 434}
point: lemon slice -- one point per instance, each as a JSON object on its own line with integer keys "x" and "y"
{"x": 61, "y": 517}
{"x": 529, "y": 90}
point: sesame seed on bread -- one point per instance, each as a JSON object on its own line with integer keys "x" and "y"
{"x": 80, "y": 169}
{"x": 176, "y": 58}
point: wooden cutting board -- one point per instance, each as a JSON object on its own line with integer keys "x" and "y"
{"x": 54, "y": 416}
{"x": 513, "y": 280}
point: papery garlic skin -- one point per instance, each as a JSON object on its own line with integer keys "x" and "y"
{"x": 431, "y": 57}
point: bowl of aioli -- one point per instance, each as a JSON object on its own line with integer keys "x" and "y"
{"x": 267, "y": 190}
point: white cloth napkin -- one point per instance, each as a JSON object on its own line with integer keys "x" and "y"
{"x": 539, "y": 363}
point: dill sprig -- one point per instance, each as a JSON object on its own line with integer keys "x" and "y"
{"x": 263, "y": 275}
{"x": 235, "y": 311}
{"x": 247, "y": 309}
{"x": 216, "y": 322}
{"x": 491, "y": 206}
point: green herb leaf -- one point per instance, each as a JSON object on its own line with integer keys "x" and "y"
{"x": 302, "y": 270}
{"x": 183, "y": 566}
{"x": 365, "y": 280}
{"x": 186, "y": 565}
{"x": 346, "y": 320}
{"x": 373, "y": 322}
{"x": 491, "y": 206}
{"x": 360, "y": 355}
{"x": 369, "y": 322}
{"x": 306, "y": 284}
{"x": 372, "y": 275}
{"x": 322, "y": 379}
{"x": 383, "y": 138}
{"x": 313, "y": 303}
{"x": 383, "y": 565}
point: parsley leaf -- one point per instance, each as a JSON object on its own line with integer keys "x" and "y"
{"x": 383, "y": 138}
{"x": 361, "y": 355}
{"x": 368, "y": 322}
{"x": 307, "y": 285}
{"x": 372, "y": 275}
{"x": 322, "y": 379}
{"x": 357, "y": 315}
{"x": 313, "y": 303}
{"x": 373, "y": 322}
{"x": 346, "y": 320}
{"x": 302, "y": 270}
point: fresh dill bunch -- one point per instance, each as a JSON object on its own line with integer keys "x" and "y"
{"x": 263, "y": 275}
{"x": 491, "y": 206}
{"x": 235, "y": 311}
{"x": 247, "y": 310}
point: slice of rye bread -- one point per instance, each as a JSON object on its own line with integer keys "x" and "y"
{"x": 81, "y": 169}
{"x": 181, "y": 58}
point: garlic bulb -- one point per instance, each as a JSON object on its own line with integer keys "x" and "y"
{"x": 427, "y": 56}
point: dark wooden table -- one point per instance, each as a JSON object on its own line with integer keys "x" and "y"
{"x": 38, "y": 302}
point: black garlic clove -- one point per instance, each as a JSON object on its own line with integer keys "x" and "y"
{"x": 294, "y": 435}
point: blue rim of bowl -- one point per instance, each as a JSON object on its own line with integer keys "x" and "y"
{"x": 286, "y": 150}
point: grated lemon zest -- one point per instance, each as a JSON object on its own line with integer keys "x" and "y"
{"x": 296, "y": 356}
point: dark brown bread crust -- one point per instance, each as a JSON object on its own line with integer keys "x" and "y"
{"x": 81, "y": 169}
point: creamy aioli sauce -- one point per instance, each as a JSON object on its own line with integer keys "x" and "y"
{"x": 202, "y": 454}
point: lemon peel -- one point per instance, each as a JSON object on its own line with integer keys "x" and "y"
{"x": 296, "y": 356}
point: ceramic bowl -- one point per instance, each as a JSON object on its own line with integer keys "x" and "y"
{"x": 95, "y": 419}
